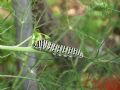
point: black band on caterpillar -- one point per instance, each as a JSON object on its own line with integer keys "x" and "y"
{"x": 44, "y": 45}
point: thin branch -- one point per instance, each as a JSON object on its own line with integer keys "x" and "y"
{"x": 12, "y": 76}
{"x": 1, "y": 57}
{"x": 24, "y": 41}
{"x": 20, "y": 49}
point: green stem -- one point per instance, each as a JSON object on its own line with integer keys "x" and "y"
{"x": 20, "y": 49}
{"x": 24, "y": 41}
{"x": 12, "y": 76}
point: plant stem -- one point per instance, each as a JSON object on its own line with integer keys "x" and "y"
{"x": 20, "y": 49}
{"x": 22, "y": 77}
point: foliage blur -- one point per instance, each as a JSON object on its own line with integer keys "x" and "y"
{"x": 96, "y": 29}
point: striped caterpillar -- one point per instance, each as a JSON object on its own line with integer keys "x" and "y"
{"x": 60, "y": 50}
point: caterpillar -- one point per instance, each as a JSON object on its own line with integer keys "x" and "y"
{"x": 60, "y": 50}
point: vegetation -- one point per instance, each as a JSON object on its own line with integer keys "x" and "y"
{"x": 90, "y": 25}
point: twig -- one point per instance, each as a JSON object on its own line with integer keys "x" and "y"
{"x": 20, "y": 49}
{"x": 12, "y": 76}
